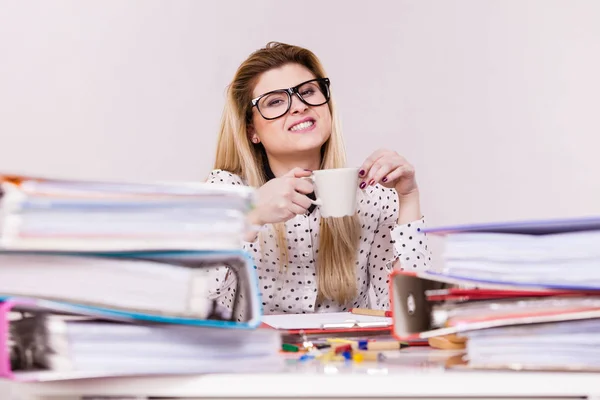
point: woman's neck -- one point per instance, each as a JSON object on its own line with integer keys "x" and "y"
{"x": 280, "y": 166}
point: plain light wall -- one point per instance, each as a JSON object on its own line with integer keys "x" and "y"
{"x": 494, "y": 102}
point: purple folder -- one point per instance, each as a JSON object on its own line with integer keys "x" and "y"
{"x": 530, "y": 227}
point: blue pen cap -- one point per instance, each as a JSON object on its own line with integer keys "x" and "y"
{"x": 306, "y": 357}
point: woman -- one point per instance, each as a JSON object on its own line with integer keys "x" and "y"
{"x": 279, "y": 124}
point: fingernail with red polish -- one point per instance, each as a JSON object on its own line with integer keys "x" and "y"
{"x": 309, "y": 170}
{"x": 363, "y": 185}
{"x": 384, "y": 179}
{"x": 362, "y": 172}
{"x": 372, "y": 182}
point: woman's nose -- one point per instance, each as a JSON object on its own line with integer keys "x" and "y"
{"x": 297, "y": 105}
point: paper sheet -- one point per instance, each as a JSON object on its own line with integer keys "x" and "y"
{"x": 318, "y": 320}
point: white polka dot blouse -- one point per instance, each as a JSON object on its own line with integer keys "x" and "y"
{"x": 294, "y": 289}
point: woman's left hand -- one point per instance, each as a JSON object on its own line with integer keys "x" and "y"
{"x": 389, "y": 169}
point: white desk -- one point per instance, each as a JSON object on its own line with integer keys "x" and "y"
{"x": 404, "y": 385}
{"x": 413, "y": 373}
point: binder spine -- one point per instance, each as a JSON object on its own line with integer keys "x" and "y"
{"x": 6, "y": 345}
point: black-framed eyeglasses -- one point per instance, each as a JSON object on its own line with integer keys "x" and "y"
{"x": 276, "y": 103}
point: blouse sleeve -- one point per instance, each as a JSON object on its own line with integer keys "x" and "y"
{"x": 406, "y": 243}
{"x": 222, "y": 283}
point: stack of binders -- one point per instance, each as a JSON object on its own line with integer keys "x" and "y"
{"x": 117, "y": 278}
{"x": 521, "y": 295}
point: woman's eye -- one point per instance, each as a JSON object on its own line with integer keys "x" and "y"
{"x": 307, "y": 92}
{"x": 274, "y": 103}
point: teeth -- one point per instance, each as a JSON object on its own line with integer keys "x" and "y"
{"x": 302, "y": 125}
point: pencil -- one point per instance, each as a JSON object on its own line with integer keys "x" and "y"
{"x": 440, "y": 342}
{"x": 374, "y": 313}
{"x": 368, "y": 356}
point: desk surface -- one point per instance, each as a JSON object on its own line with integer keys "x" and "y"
{"x": 379, "y": 384}
{"x": 415, "y": 375}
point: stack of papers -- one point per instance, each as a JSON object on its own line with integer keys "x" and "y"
{"x": 47, "y": 214}
{"x": 73, "y": 346}
{"x": 571, "y": 345}
{"x": 118, "y": 278}
{"x": 525, "y": 253}
{"x": 317, "y": 327}
{"x": 150, "y": 250}
{"x": 528, "y": 294}
{"x": 172, "y": 286}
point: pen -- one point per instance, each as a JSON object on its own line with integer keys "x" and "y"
{"x": 381, "y": 345}
{"x": 374, "y": 313}
{"x": 290, "y": 348}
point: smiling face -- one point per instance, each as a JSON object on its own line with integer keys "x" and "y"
{"x": 303, "y": 130}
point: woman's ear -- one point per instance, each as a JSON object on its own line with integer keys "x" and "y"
{"x": 252, "y": 134}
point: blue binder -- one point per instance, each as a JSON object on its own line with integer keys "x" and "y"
{"x": 247, "y": 294}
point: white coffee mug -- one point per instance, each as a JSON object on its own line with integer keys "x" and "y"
{"x": 335, "y": 190}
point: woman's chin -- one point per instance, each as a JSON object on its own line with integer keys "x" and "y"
{"x": 307, "y": 147}
{"x": 312, "y": 140}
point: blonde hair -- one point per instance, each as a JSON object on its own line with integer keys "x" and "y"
{"x": 339, "y": 237}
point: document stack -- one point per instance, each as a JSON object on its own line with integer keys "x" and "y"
{"x": 97, "y": 216}
{"x": 524, "y": 295}
{"x": 114, "y": 278}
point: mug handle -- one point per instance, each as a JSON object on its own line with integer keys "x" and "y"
{"x": 318, "y": 201}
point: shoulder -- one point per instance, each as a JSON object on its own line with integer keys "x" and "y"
{"x": 220, "y": 176}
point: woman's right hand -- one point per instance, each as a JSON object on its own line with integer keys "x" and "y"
{"x": 282, "y": 198}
